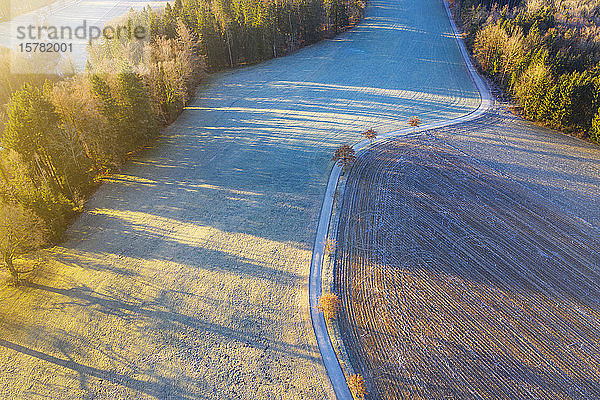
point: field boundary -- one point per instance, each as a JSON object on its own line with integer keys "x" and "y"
{"x": 326, "y": 348}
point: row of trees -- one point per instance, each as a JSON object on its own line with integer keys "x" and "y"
{"x": 329, "y": 304}
{"x": 60, "y": 135}
{"x": 545, "y": 55}
{"x": 238, "y": 32}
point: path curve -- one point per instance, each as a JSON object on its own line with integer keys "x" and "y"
{"x": 188, "y": 274}
{"x": 332, "y": 364}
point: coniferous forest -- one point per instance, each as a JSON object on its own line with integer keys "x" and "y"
{"x": 61, "y": 135}
{"x": 543, "y": 54}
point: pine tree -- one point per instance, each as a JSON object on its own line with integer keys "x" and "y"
{"x": 32, "y": 125}
{"x": 134, "y": 117}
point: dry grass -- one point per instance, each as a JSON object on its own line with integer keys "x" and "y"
{"x": 330, "y": 245}
{"x": 187, "y": 275}
{"x": 328, "y": 305}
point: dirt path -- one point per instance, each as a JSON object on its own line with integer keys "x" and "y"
{"x": 335, "y": 371}
{"x": 187, "y": 276}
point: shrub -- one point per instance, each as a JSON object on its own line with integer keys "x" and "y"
{"x": 357, "y": 386}
{"x": 328, "y": 304}
{"x": 531, "y": 88}
{"x": 414, "y": 121}
{"x": 330, "y": 245}
{"x": 54, "y": 209}
{"x": 344, "y": 155}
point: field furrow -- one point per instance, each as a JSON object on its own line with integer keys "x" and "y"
{"x": 459, "y": 282}
{"x": 186, "y": 276}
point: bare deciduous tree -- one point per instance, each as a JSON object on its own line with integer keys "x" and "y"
{"x": 344, "y": 155}
{"x": 414, "y": 121}
{"x": 370, "y": 134}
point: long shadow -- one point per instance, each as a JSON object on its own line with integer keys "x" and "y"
{"x": 159, "y": 390}
{"x": 185, "y": 250}
{"x": 162, "y": 317}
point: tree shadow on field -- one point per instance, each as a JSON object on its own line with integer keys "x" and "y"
{"x": 234, "y": 187}
{"x": 185, "y": 255}
{"x": 160, "y": 389}
{"x": 158, "y": 319}
{"x": 261, "y": 130}
{"x": 161, "y": 315}
{"x": 94, "y": 262}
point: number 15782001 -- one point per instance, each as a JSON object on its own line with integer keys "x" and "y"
{"x": 44, "y": 47}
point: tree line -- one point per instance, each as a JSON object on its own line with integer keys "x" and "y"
{"x": 238, "y": 32}
{"x": 61, "y": 135}
{"x": 545, "y": 55}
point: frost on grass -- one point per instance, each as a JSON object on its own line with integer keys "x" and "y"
{"x": 188, "y": 278}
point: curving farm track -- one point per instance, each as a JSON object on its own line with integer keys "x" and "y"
{"x": 458, "y": 281}
{"x": 187, "y": 275}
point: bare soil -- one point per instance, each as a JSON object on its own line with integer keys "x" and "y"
{"x": 460, "y": 282}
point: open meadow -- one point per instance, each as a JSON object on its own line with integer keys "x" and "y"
{"x": 186, "y": 276}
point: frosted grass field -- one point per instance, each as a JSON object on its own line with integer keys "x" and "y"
{"x": 187, "y": 275}
{"x": 69, "y": 13}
